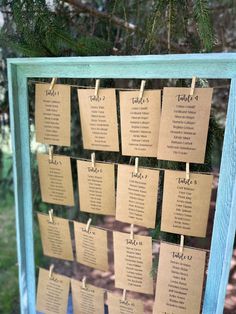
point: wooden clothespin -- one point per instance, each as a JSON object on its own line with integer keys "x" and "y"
{"x": 181, "y": 246}
{"x": 124, "y": 295}
{"x": 53, "y": 82}
{"x": 93, "y": 160}
{"x": 141, "y": 91}
{"x": 136, "y": 165}
{"x": 50, "y": 153}
{"x": 51, "y": 271}
{"x": 88, "y": 224}
{"x": 97, "y": 85}
{"x": 187, "y": 170}
{"x": 131, "y": 231}
{"x": 50, "y": 213}
{"x": 193, "y": 85}
{"x": 84, "y": 282}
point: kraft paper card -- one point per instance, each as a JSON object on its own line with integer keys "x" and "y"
{"x": 96, "y": 187}
{"x": 184, "y": 124}
{"x": 140, "y": 121}
{"x": 98, "y": 118}
{"x": 117, "y": 306}
{"x": 55, "y": 179}
{"x": 179, "y": 280}
{"x": 52, "y": 294}
{"x": 88, "y": 300}
{"x": 55, "y": 236}
{"x": 136, "y": 201}
{"x": 186, "y": 203}
{"x": 133, "y": 262}
{"x": 91, "y": 246}
{"x": 52, "y": 114}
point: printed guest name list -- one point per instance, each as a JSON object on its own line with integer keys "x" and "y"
{"x": 99, "y": 119}
{"x": 179, "y": 280}
{"x": 133, "y": 262}
{"x": 53, "y": 114}
{"x": 184, "y": 124}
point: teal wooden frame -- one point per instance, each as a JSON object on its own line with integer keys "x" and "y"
{"x": 221, "y": 65}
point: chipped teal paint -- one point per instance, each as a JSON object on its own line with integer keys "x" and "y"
{"x": 221, "y": 65}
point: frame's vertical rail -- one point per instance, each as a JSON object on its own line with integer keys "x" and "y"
{"x": 19, "y": 119}
{"x": 225, "y": 217}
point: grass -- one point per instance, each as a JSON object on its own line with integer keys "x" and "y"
{"x": 9, "y": 294}
{"x": 9, "y": 301}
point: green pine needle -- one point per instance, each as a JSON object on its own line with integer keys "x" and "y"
{"x": 204, "y": 25}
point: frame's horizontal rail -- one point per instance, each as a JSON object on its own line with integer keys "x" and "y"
{"x": 217, "y": 65}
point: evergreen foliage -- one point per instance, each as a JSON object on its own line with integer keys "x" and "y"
{"x": 33, "y": 28}
{"x": 39, "y": 32}
{"x": 205, "y": 31}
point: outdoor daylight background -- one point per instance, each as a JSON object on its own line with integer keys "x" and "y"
{"x": 106, "y": 27}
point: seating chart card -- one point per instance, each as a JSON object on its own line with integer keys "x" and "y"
{"x": 88, "y": 300}
{"x": 96, "y": 187}
{"x": 186, "y": 203}
{"x": 133, "y": 262}
{"x": 99, "y": 119}
{"x": 179, "y": 280}
{"x": 52, "y": 293}
{"x": 118, "y": 306}
{"x": 136, "y": 201}
{"x": 56, "y": 179}
{"x": 140, "y": 120}
{"x": 91, "y": 246}
{"x": 56, "y": 240}
{"x": 184, "y": 124}
{"x": 53, "y": 114}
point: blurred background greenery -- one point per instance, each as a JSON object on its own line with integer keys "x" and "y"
{"x": 102, "y": 27}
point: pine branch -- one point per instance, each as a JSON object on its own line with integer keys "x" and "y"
{"x": 92, "y": 11}
{"x": 205, "y": 31}
{"x": 23, "y": 48}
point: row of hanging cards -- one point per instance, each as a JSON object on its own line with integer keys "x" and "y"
{"x": 178, "y": 132}
{"x": 96, "y": 183}
{"x": 91, "y": 244}
{"x": 178, "y": 287}
{"x": 91, "y": 247}
{"x": 133, "y": 255}
{"x": 185, "y": 206}
{"x": 53, "y": 293}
